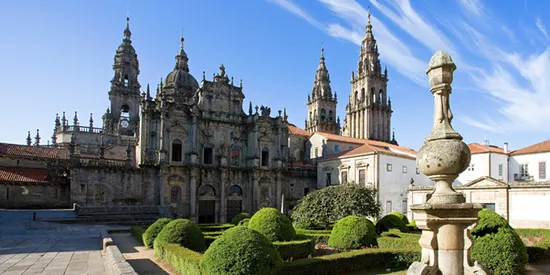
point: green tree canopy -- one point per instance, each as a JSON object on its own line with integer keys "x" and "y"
{"x": 332, "y": 203}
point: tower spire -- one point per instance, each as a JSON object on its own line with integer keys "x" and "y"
{"x": 181, "y": 58}
{"x": 37, "y": 138}
{"x": 127, "y": 32}
{"x": 29, "y": 139}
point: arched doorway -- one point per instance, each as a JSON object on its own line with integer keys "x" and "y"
{"x": 207, "y": 204}
{"x": 234, "y": 201}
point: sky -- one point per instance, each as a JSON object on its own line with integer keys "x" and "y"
{"x": 57, "y": 56}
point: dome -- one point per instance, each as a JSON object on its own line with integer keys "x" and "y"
{"x": 182, "y": 82}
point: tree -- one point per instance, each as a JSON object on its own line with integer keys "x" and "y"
{"x": 318, "y": 208}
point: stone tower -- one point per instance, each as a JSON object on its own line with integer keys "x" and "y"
{"x": 368, "y": 114}
{"x": 123, "y": 116}
{"x": 321, "y": 104}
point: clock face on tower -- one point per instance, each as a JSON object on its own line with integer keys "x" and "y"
{"x": 124, "y": 123}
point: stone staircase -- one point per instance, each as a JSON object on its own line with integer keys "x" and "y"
{"x": 124, "y": 215}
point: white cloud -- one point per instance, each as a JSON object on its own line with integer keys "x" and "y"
{"x": 471, "y": 7}
{"x": 542, "y": 28}
{"x": 296, "y": 10}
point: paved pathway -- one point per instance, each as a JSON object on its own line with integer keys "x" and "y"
{"x": 142, "y": 259}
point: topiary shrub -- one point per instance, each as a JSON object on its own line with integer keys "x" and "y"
{"x": 239, "y": 217}
{"x": 401, "y": 216}
{"x": 390, "y": 221}
{"x": 275, "y": 226}
{"x": 183, "y": 232}
{"x": 241, "y": 251}
{"x": 412, "y": 226}
{"x": 244, "y": 222}
{"x": 352, "y": 232}
{"x": 153, "y": 230}
{"x": 497, "y": 246}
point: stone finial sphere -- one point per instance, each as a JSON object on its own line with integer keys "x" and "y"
{"x": 440, "y": 69}
{"x": 443, "y": 157}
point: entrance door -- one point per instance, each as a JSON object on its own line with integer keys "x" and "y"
{"x": 207, "y": 211}
{"x": 234, "y": 207}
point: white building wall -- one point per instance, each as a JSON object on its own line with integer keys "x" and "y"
{"x": 532, "y": 161}
{"x": 480, "y": 165}
{"x": 496, "y": 160}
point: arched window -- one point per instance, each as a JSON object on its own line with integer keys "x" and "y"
{"x": 125, "y": 112}
{"x": 380, "y": 99}
{"x": 207, "y": 154}
{"x": 235, "y": 190}
{"x": 373, "y": 94}
{"x": 323, "y": 114}
{"x": 125, "y": 80}
{"x": 330, "y": 115}
{"x": 235, "y": 155}
{"x": 356, "y": 96}
{"x": 176, "y": 150}
{"x": 363, "y": 97}
{"x": 265, "y": 157}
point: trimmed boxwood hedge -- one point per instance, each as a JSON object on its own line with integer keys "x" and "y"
{"x": 352, "y": 232}
{"x": 239, "y": 217}
{"x": 183, "y": 232}
{"x": 355, "y": 260}
{"x": 241, "y": 251}
{"x": 302, "y": 247}
{"x": 400, "y": 216}
{"x": 244, "y": 222}
{"x": 137, "y": 232}
{"x": 153, "y": 230}
{"x": 183, "y": 260}
{"x": 274, "y": 225}
{"x": 211, "y": 227}
{"x": 390, "y": 221}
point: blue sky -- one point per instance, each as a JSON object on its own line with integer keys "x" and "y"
{"x": 56, "y": 56}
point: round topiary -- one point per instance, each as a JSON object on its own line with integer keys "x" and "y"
{"x": 275, "y": 226}
{"x": 497, "y": 246}
{"x": 244, "y": 222}
{"x": 239, "y": 217}
{"x": 352, "y": 232}
{"x": 241, "y": 251}
{"x": 401, "y": 216}
{"x": 153, "y": 230}
{"x": 390, "y": 221}
{"x": 183, "y": 232}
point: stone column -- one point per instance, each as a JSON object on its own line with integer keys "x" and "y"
{"x": 223, "y": 192}
{"x": 193, "y": 202}
{"x": 445, "y": 217}
{"x": 361, "y": 124}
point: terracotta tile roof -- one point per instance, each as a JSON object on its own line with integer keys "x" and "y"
{"x": 16, "y": 150}
{"x": 294, "y": 130}
{"x": 333, "y": 137}
{"x": 540, "y": 147}
{"x": 18, "y": 174}
{"x": 301, "y": 164}
{"x": 476, "y": 148}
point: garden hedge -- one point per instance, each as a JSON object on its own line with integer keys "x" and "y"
{"x": 274, "y": 225}
{"x": 497, "y": 246}
{"x": 400, "y": 216}
{"x": 355, "y": 260}
{"x": 302, "y": 247}
{"x": 244, "y": 222}
{"x": 211, "y": 227}
{"x": 239, "y": 217}
{"x": 241, "y": 251}
{"x": 352, "y": 232}
{"x": 153, "y": 230}
{"x": 137, "y": 232}
{"x": 390, "y": 221}
{"x": 183, "y": 232}
{"x": 183, "y": 260}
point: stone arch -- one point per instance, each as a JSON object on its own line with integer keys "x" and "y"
{"x": 235, "y": 155}
{"x": 234, "y": 201}
{"x": 363, "y": 95}
{"x": 207, "y": 204}
{"x": 298, "y": 155}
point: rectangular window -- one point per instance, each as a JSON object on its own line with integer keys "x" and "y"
{"x": 362, "y": 177}
{"x": 388, "y": 167}
{"x": 306, "y": 191}
{"x": 329, "y": 183}
{"x": 404, "y": 206}
{"x": 404, "y": 169}
{"x": 500, "y": 169}
{"x": 344, "y": 176}
{"x": 388, "y": 207}
{"x": 336, "y": 148}
{"x": 524, "y": 170}
{"x": 490, "y": 206}
{"x": 208, "y": 155}
{"x": 542, "y": 170}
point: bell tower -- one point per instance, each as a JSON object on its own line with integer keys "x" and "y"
{"x": 321, "y": 104}
{"x": 368, "y": 114}
{"x": 123, "y": 116}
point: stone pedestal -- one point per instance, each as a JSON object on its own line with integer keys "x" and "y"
{"x": 446, "y": 241}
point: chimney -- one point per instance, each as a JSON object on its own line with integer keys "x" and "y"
{"x": 506, "y": 148}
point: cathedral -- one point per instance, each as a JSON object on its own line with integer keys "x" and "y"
{"x": 190, "y": 146}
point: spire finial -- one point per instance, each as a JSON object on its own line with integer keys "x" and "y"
{"x": 75, "y": 119}
{"x": 181, "y": 40}
{"x": 148, "y": 91}
{"x": 250, "y": 108}
{"x": 368, "y": 10}
{"x": 37, "y": 138}
{"x": 29, "y": 139}
{"x": 127, "y": 32}
{"x": 322, "y": 49}
{"x": 91, "y": 122}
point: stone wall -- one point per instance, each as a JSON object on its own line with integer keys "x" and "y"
{"x": 47, "y": 195}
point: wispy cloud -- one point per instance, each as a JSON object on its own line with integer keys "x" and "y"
{"x": 473, "y": 7}
{"x": 542, "y": 28}
{"x": 296, "y": 10}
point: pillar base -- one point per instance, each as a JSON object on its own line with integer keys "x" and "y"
{"x": 446, "y": 241}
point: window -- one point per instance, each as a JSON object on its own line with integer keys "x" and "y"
{"x": 404, "y": 169}
{"x": 363, "y": 94}
{"x": 176, "y": 150}
{"x": 174, "y": 194}
{"x": 126, "y": 81}
{"x": 323, "y": 114}
{"x": 265, "y": 157}
{"x": 316, "y": 152}
{"x": 336, "y": 148}
{"x": 500, "y": 169}
{"x": 330, "y": 115}
{"x": 388, "y": 207}
{"x": 490, "y": 206}
{"x": 329, "y": 179}
{"x": 362, "y": 177}
{"x": 471, "y": 167}
{"x": 388, "y": 167}
{"x": 542, "y": 170}
{"x": 235, "y": 155}
{"x": 207, "y": 154}
{"x": 380, "y": 97}
{"x": 306, "y": 191}
{"x": 524, "y": 170}
{"x": 344, "y": 175}
{"x": 404, "y": 205}
{"x": 7, "y": 193}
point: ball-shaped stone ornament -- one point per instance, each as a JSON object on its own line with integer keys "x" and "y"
{"x": 440, "y": 69}
{"x": 443, "y": 157}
